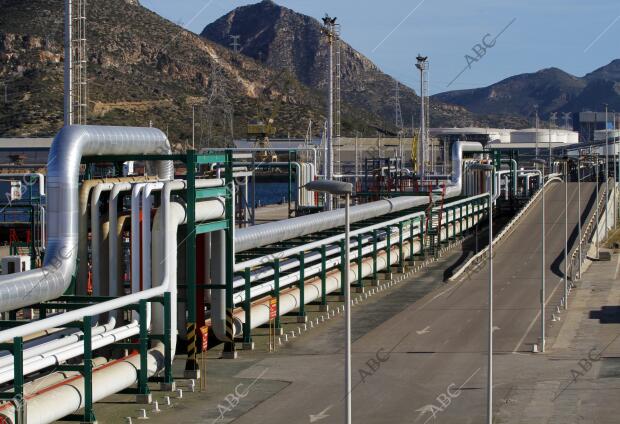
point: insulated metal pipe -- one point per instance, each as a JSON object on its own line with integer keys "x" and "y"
{"x": 290, "y": 298}
{"x": 165, "y": 227}
{"x": 273, "y": 232}
{"x": 55, "y": 402}
{"x": 113, "y": 242}
{"x": 86, "y": 188}
{"x": 57, "y": 343}
{"x": 136, "y": 271}
{"x": 68, "y": 65}
{"x": 95, "y": 224}
{"x": 64, "y": 353}
{"x": 147, "y": 204}
{"x": 71, "y": 143}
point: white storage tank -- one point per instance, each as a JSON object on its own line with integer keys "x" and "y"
{"x": 544, "y": 136}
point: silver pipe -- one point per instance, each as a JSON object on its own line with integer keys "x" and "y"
{"x": 136, "y": 273}
{"x": 95, "y": 225}
{"x": 114, "y": 286}
{"x": 71, "y": 143}
{"x": 273, "y": 232}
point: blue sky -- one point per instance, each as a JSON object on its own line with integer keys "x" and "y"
{"x": 577, "y": 36}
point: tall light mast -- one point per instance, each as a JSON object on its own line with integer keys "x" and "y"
{"x": 329, "y": 30}
{"x": 422, "y": 65}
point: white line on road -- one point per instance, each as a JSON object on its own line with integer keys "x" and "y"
{"x": 529, "y": 328}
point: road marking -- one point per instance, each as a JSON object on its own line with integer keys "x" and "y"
{"x": 535, "y": 318}
{"x": 434, "y": 410}
{"x": 424, "y": 330}
{"x": 321, "y": 415}
{"x": 529, "y": 328}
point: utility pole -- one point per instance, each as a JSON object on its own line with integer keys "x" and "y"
{"x": 193, "y": 127}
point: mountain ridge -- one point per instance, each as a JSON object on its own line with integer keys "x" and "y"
{"x": 285, "y": 39}
{"x": 552, "y": 89}
{"x": 144, "y": 69}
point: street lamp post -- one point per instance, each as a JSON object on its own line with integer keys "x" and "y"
{"x": 596, "y": 166}
{"x": 565, "y": 233}
{"x": 579, "y": 209}
{"x": 606, "y": 169}
{"x": 489, "y": 168}
{"x": 341, "y": 188}
{"x": 542, "y": 257}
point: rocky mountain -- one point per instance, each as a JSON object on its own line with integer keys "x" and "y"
{"x": 553, "y": 90}
{"x": 284, "y": 39}
{"x": 144, "y": 69}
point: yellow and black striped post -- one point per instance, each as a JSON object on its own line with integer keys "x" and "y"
{"x": 191, "y": 366}
{"x": 230, "y": 326}
{"x": 229, "y": 346}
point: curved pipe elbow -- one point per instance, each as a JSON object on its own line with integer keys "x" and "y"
{"x": 63, "y": 168}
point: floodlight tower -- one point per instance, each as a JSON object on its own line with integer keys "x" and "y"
{"x": 399, "y": 122}
{"x": 422, "y": 65}
{"x": 329, "y": 30}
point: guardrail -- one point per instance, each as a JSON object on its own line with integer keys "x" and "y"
{"x": 588, "y": 233}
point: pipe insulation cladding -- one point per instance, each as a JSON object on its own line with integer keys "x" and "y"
{"x": 290, "y": 298}
{"x": 273, "y": 232}
{"x": 63, "y": 167}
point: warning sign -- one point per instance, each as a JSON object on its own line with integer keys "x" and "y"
{"x": 204, "y": 332}
{"x": 273, "y": 308}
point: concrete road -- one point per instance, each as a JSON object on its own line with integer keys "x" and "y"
{"x": 428, "y": 362}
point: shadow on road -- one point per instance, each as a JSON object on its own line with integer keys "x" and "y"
{"x": 607, "y": 315}
{"x": 557, "y": 265}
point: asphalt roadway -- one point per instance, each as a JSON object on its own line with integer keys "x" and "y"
{"x": 427, "y": 363}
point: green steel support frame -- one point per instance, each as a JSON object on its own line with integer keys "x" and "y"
{"x": 276, "y": 291}
{"x": 302, "y": 286}
{"x": 247, "y": 304}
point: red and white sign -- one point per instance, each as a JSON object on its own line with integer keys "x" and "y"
{"x": 204, "y": 332}
{"x": 273, "y": 308}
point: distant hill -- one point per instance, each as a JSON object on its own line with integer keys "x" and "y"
{"x": 284, "y": 39}
{"x": 553, "y": 90}
{"x": 144, "y": 69}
